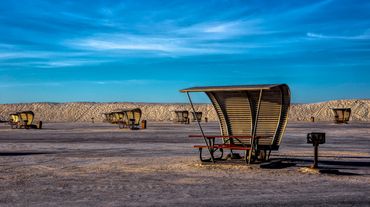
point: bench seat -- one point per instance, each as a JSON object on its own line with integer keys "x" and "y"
{"x": 224, "y": 146}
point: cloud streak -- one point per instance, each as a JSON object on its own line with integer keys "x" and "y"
{"x": 127, "y": 82}
{"x": 339, "y": 37}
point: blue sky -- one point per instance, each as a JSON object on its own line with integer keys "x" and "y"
{"x": 145, "y": 51}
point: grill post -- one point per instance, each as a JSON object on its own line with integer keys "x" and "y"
{"x": 316, "y": 138}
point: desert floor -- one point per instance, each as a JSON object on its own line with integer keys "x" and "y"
{"x": 86, "y": 164}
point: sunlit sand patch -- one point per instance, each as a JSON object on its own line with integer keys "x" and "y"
{"x": 123, "y": 166}
{"x": 223, "y": 166}
{"x": 309, "y": 170}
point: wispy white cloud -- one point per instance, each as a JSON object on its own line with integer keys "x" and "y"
{"x": 127, "y": 82}
{"x": 6, "y": 54}
{"x": 15, "y": 85}
{"x": 44, "y": 59}
{"x": 69, "y": 63}
{"x": 230, "y": 28}
{"x": 154, "y": 44}
{"x": 61, "y": 63}
{"x": 166, "y": 45}
{"x": 224, "y": 29}
{"x": 355, "y": 37}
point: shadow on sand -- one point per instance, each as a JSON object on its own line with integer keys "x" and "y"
{"x": 277, "y": 164}
{"x": 11, "y": 154}
{"x": 334, "y": 167}
{"x": 333, "y": 162}
{"x": 336, "y": 172}
{"x": 323, "y": 156}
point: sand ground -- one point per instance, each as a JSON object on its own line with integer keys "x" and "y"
{"x": 86, "y": 164}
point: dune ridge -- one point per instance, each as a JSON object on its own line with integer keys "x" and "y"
{"x": 84, "y": 111}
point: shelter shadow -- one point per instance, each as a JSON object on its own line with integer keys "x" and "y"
{"x": 11, "y": 154}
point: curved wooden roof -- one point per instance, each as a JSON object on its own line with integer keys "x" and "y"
{"x": 128, "y": 114}
{"x": 26, "y": 115}
{"x": 251, "y": 110}
{"x": 342, "y": 115}
{"x": 341, "y": 109}
{"x": 131, "y": 110}
{"x": 230, "y": 88}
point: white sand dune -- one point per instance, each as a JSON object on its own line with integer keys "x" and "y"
{"x": 83, "y": 112}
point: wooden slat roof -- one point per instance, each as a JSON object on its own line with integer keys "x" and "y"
{"x": 127, "y": 110}
{"x": 230, "y": 88}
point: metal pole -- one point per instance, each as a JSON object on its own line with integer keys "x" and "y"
{"x": 200, "y": 127}
{"x": 316, "y": 157}
{"x": 255, "y": 126}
